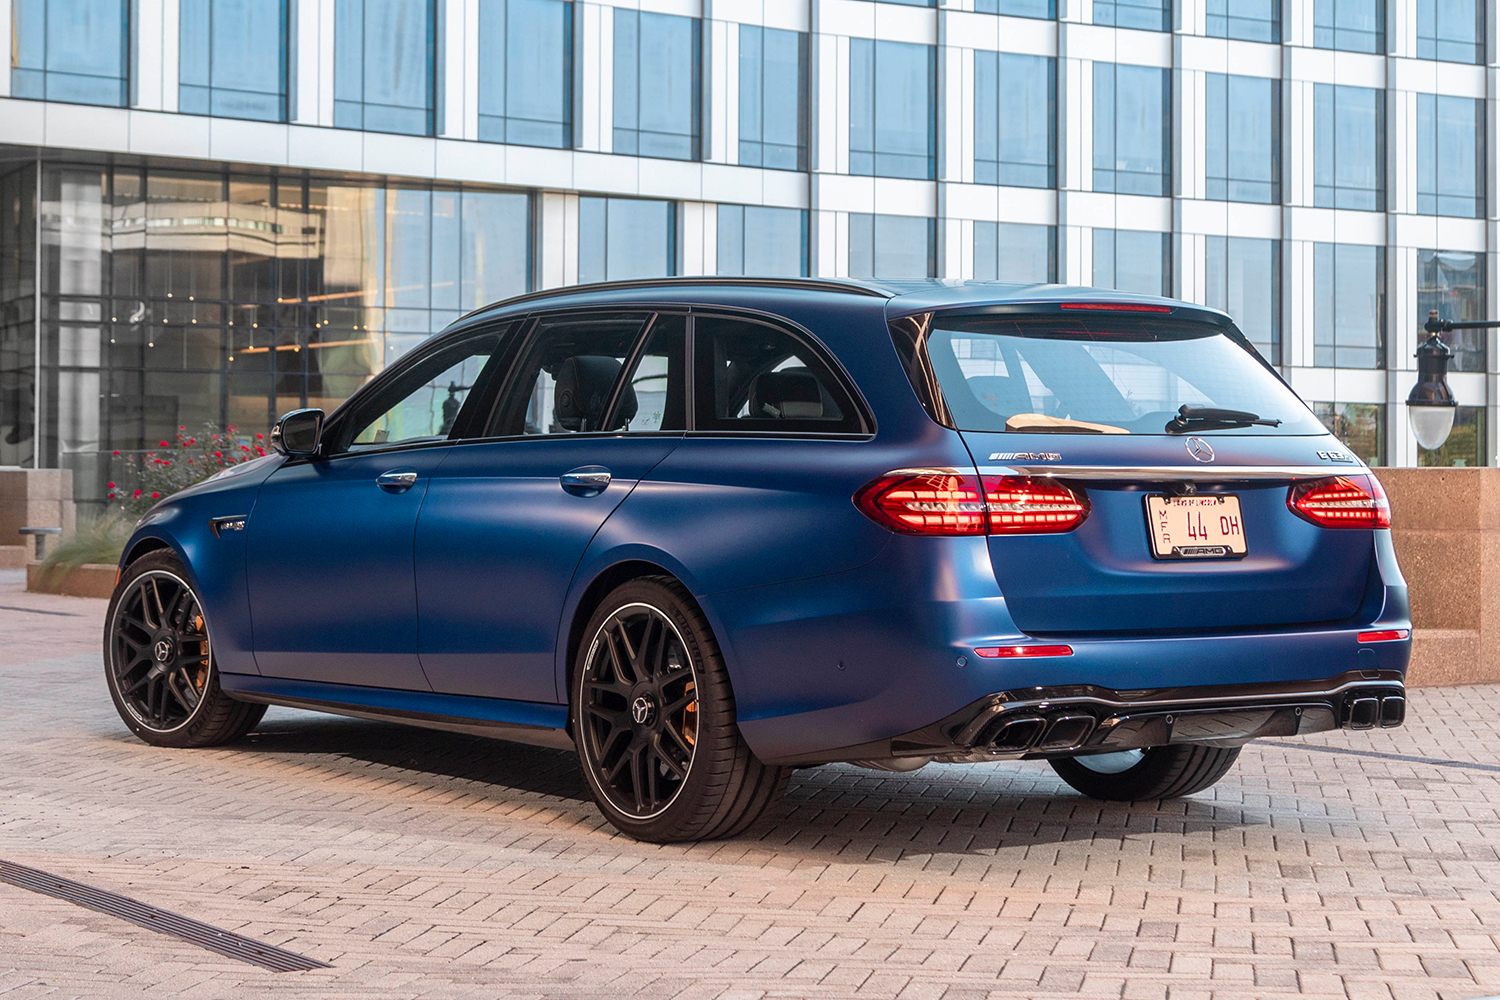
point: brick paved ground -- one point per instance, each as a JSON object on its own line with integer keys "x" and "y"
{"x": 432, "y": 865}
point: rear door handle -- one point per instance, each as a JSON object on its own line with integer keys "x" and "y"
{"x": 586, "y": 480}
{"x": 396, "y": 482}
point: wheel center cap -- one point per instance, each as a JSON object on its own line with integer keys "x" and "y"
{"x": 163, "y": 650}
{"x": 643, "y": 710}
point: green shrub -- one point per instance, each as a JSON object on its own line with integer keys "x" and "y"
{"x": 178, "y": 464}
{"x": 100, "y": 540}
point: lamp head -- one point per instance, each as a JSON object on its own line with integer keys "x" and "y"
{"x": 1431, "y": 403}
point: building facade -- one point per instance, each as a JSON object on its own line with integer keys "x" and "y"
{"x": 212, "y": 211}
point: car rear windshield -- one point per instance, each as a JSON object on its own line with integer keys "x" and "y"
{"x": 1091, "y": 374}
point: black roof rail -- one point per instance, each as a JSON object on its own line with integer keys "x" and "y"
{"x": 849, "y": 286}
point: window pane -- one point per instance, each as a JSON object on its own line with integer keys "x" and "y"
{"x": 1131, "y": 261}
{"x": 762, "y": 241}
{"x": 1452, "y": 30}
{"x": 383, "y": 70}
{"x": 1349, "y": 147}
{"x": 1243, "y": 144}
{"x": 1252, "y": 20}
{"x": 568, "y": 373}
{"x": 1450, "y": 137}
{"x": 526, "y": 72}
{"x": 773, "y": 100}
{"x": 891, "y": 246}
{"x": 425, "y": 405}
{"x": 1130, "y": 129}
{"x": 1465, "y": 445}
{"x": 1349, "y": 312}
{"x": 233, "y": 58}
{"x": 654, "y": 397}
{"x": 70, "y": 50}
{"x": 656, "y": 85}
{"x": 1012, "y": 251}
{"x": 1152, "y": 15}
{"x": 751, "y": 376}
{"x": 1014, "y": 119}
{"x": 1244, "y": 280}
{"x": 1360, "y": 426}
{"x": 1018, "y": 8}
{"x": 892, "y": 132}
{"x": 1353, "y": 25}
{"x": 1453, "y": 283}
{"x": 623, "y": 238}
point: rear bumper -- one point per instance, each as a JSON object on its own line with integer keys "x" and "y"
{"x": 1065, "y": 721}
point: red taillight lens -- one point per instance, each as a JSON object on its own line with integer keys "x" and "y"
{"x": 1341, "y": 502}
{"x": 1384, "y": 635}
{"x": 990, "y": 652}
{"x": 941, "y": 502}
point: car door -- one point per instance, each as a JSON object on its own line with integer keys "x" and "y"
{"x": 330, "y": 541}
{"x": 506, "y": 520}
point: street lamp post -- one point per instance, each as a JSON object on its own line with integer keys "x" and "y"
{"x": 1431, "y": 403}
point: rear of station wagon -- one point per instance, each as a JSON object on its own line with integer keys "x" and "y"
{"x": 706, "y": 531}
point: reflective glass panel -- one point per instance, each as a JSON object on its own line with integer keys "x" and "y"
{"x": 892, "y": 129}
{"x": 383, "y": 65}
{"x": 1348, "y": 306}
{"x": 1132, "y": 142}
{"x": 622, "y": 238}
{"x": 1014, "y": 251}
{"x": 891, "y": 246}
{"x": 1251, "y": 20}
{"x": 1015, "y": 119}
{"x": 1243, "y": 145}
{"x": 1243, "y": 278}
{"x": 1348, "y": 147}
{"x": 526, "y": 72}
{"x": 1132, "y": 261}
{"x": 1466, "y": 442}
{"x": 1360, "y": 426}
{"x": 1018, "y": 8}
{"x": 1453, "y": 283}
{"x": 1151, "y": 15}
{"x": 1451, "y": 30}
{"x": 757, "y": 240}
{"x": 70, "y": 50}
{"x": 233, "y": 58}
{"x": 656, "y": 85}
{"x": 1352, "y": 25}
{"x": 1450, "y": 156}
{"x": 773, "y": 98}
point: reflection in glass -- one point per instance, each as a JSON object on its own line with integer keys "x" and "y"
{"x": 1251, "y": 20}
{"x": 1131, "y": 261}
{"x": 70, "y": 50}
{"x": 892, "y": 129}
{"x": 1450, "y": 157}
{"x": 656, "y": 85}
{"x": 623, "y": 238}
{"x": 1360, "y": 426}
{"x": 383, "y": 65}
{"x": 892, "y": 246}
{"x": 1348, "y": 306}
{"x": 233, "y": 59}
{"x": 1151, "y": 15}
{"x": 1015, "y": 119}
{"x": 1014, "y": 251}
{"x": 773, "y": 98}
{"x": 1451, "y": 30}
{"x": 526, "y": 72}
{"x": 1352, "y": 25}
{"x": 1243, "y": 278}
{"x": 1132, "y": 141}
{"x": 1243, "y": 144}
{"x": 1348, "y": 147}
{"x": 1046, "y": 9}
{"x": 1453, "y": 283}
{"x": 757, "y": 240}
{"x": 1465, "y": 444}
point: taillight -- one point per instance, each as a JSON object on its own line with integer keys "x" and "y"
{"x": 990, "y": 652}
{"x": 940, "y": 502}
{"x": 1385, "y": 635}
{"x": 1341, "y": 502}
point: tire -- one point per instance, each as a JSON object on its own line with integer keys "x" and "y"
{"x": 159, "y": 664}
{"x": 1167, "y": 772}
{"x": 653, "y": 719}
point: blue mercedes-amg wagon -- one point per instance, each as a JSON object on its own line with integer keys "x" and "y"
{"x": 707, "y": 531}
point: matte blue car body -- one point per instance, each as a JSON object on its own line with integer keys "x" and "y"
{"x": 836, "y": 633}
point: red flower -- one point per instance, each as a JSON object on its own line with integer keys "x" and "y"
{"x": 244, "y": 447}
{"x": 229, "y": 430}
{"x": 137, "y": 492}
{"x": 111, "y": 485}
{"x": 181, "y": 427}
{"x": 218, "y": 454}
{"x": 117, "y": 453}
{"x": 156, "y": 496}
{"x": 165, "y": 445}
{"x": 260, "y": 437}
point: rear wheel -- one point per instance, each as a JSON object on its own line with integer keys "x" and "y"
{"x": 654, "y": 721}
{"x": 159, "y": 663}
{"x": 1167, "y": 772}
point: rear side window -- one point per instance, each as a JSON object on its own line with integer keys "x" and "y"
{"x": 752, "y": 376}
{"x": 1096, "y": 375}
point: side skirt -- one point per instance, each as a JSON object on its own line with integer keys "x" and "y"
{"x": 518, "y": 721}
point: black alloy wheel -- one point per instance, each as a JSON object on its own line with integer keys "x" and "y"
{"x": 653, "y": 720}
{"x": 159, "y": 660}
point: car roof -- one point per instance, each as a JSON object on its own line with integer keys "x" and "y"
{"x": 902, "y": 297}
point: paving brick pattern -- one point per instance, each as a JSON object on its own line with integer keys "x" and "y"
{"x": 433, "y": 865}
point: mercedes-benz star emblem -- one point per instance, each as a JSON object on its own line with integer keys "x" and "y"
{"x": 641, "y": 710}
{"x": 163, "y": 650}
{"x": 1200, "y": 449}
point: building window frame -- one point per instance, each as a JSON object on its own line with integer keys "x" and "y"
{"x": 629, "y": 135}
{"x": 874, "y": 151}
{"x": 1110, "y": 114}
{"x": 1334, "y": 185}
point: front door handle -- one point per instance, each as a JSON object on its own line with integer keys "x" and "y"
{"x": 586, "y": 481}
{"x": 396, "y": 482}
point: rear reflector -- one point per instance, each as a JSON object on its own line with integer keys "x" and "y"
{"x": 1133, "y": 307}
{"x": 942, "y": 502}
{"x": 991, "y": 652}
{"x": 1341, "y": 502}
{"x": 1386, "y": 635}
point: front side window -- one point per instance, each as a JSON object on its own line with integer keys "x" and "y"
{"x": 1450, "y": 156}
{"x": 656, "y": 85}
{"x": 623, "y": 238}
{"x": 1244, "y": 279}
{"x": 526, "y": 72}
{"x": 892, "y": 132}
{"x": 1132, "y": 143}
{"x": 1244, "y": 138}
{"x": 70, "y": 50}
{"x": 773, "y": 98}
{"x": 766, "y": 241}
{"x": 1150, "y": 15}
{"x": 1015, "y": 119}
{"x": 1251, "y": 20}
{"x": 1100, "y": 373}
{"x": 1348, "y": 147}
{"x": 1453, "y": 283}
{"x": 1451, "y": 30}
{"x": 383, "y": 65}
{"x": 1465, "y": 444}
{"x": 233, "y": 59}
{"x": 423, "y": 404}
{"x": 1133, "y": 261}
{"x": 752, "y": 376}
{"x": 1015, "y": 251}
{"x": 1348, "y": 306}
{"x": 1351, "y": 25}
{"x": 1360, "y": 426}
{"x": 892, "y": 246}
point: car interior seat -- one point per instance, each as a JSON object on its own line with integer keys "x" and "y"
{"x": 583, "y": 384}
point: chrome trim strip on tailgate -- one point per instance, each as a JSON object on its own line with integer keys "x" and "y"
{"x": 1174, "y": 473}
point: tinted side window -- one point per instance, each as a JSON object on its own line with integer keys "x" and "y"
{"x": 567, "y": 374}
{"x": 751, "y": 376}
{"x": 654, "y": 397}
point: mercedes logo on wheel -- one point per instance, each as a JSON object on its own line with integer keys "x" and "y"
{"x": 1200, "y": 449}
{"x": 642, "y": 710}
{"x": 163, "y": 650}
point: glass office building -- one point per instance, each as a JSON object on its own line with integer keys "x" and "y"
{"x": 212, "y": 211}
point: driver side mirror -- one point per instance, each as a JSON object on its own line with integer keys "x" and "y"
{"x": 298, "y": 433}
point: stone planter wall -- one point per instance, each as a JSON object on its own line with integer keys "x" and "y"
{"x": 88, "y": 580}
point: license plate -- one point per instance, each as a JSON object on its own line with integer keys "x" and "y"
{"x": 1196, "y": 527}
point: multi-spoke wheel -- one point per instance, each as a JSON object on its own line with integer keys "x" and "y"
{"x": 653, "y": 719}
{"x": 1167, "y": 772}
{"x": 159, "y": 661}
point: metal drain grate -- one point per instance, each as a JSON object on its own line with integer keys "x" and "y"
{"x": 204, "y": 935}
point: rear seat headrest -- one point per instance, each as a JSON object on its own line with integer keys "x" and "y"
{"x": 786, "y": 395}
{"x": 583, "y": 384}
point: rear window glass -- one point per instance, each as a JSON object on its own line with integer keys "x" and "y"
{"x": 1091, "y": 375}
{"x": 751, "y": 376}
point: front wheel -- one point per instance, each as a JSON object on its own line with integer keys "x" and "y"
{"x": 1167, "y": 772}
{"x": 159, "y": 663}
{"x": 654, "y": 721}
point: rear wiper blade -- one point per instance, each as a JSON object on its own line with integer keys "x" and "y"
{"x": 1204, "y": 417}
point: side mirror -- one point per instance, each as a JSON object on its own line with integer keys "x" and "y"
{"x": 298, "y": 433}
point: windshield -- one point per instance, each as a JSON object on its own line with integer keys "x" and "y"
{"x": 1106, "y": 375}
